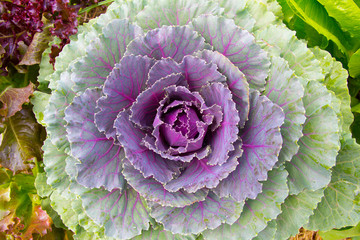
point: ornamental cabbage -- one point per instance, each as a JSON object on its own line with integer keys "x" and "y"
{"x": 197, "y": 119}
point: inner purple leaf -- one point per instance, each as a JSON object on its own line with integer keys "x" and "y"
{"x": 181, "y": 124}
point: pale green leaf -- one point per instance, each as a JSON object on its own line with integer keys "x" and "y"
{"x": 340, "y": 205}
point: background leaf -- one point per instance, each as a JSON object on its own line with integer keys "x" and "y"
{"x": 21, "y": 141}
{"x": 13, "y": 99}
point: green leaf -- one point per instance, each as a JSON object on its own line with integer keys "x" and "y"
{"x": 21, "y": 143}
{"x": 340, "y": 205}
{"x": 355, "y": 127}
{"x": 354, "y": 64}
{"x": 336, "y": 234}
{"x": 346, "y": 13}
{"x": 315, "y": 15}
{"x": 4, "y": 84}
{"x": 18, "y": 198}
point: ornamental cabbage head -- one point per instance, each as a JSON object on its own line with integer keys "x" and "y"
{"x": 192, "y": 119}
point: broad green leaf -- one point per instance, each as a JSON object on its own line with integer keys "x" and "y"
{"x": 314, "y": 14}
{"x": 346, "y": 13}
{"x": 340, "y": 205}
{"x": 21, "y": 142}
{"x": 336, "y": 234}
{"x": 355, "y": 127}
{"x": 354, "y": 64}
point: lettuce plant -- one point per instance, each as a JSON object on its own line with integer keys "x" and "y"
{"x": 189, "y": 120}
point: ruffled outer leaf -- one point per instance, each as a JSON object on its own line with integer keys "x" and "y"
{"x": 54, "y": 113}
{"x": 143, "y": 159}
{"x": 261, "y": 145}
{"x": 174, "y": 12}
{"x": 284, "y": 89}
{"x": 126, "y": 81}
{"x": 196, "y": 71}
{"x": 237, "y": 45}
{"x": 54, "y": 161}
{"x": 124, "y": 214}
{"x": 100, "y": 160}
{"x": 235, "y": 80}
{"x": 168, "y": 41}
{"x": 285, "y": 44}
{"x": 102, "y": 54}
{"x": 310, "y": 167}
{"x": 199, "y": 216}
{"x": 268, "y": 233}
{"x": 295, "y": 212}
{"x": 256, "y": 213}
{"x": 158, "y": 233}
{"x": 340, "y": 206}
{"x": 336, "y": 81}
{"x": 154, "y": 191}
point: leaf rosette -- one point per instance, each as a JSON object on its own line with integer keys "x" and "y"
{"x": 175, "y": 119}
